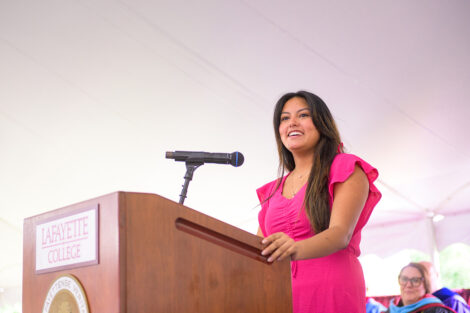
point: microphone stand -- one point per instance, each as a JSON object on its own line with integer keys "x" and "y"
{"x": 191, "y": 166}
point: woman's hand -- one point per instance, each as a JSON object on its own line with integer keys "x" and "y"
{"x": 278, "y": 246}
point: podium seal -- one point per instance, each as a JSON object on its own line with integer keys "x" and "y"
{"x": 66, "y": 295}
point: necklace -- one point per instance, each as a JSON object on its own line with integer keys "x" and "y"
{"x": 296, "y": 183}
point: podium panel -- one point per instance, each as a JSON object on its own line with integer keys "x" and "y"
{"x": 155, "y": 255}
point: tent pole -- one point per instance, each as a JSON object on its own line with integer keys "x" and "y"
{"x": 433, "y": 247}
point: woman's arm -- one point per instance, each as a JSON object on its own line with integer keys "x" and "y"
{"x": 349, "y": 199}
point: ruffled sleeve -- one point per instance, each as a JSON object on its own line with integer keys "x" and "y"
{"x": 264, "y": 193}
{"x": 342, "y": 167}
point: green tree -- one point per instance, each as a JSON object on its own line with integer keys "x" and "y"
{"x": 455, "y": 266}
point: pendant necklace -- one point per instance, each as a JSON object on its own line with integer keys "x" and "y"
{"x": 293, "y": 190}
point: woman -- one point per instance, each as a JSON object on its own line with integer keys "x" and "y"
{"x": 415, "y": 292}
{"x": 315, "y": 213}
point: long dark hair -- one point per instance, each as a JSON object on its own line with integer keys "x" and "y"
{"x": 316, "y": 200}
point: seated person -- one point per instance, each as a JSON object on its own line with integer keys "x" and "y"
{"x": 415, "y": 293}
{"x": 450, "y": 298}
{"x": 373, "y": 306}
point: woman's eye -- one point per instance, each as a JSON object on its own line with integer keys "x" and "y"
{"x": 304, "y": 115}
{"x": 284, "y": 118}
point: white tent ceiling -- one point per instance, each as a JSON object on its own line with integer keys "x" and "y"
{"x": 94, "y": 92}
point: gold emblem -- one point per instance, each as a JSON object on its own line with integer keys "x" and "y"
{"x": 66, "y": 295}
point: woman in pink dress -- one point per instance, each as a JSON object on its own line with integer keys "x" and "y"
{"x": 314, "y": 215}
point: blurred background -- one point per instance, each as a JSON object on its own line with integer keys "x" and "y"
{"x": 94, "y": 92}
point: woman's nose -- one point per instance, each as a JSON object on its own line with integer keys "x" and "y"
{"x": 293, "y": 122}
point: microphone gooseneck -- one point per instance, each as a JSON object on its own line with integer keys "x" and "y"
{"x": 194, "y": 159}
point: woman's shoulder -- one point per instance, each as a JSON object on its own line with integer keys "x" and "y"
{"x": 269, "y": 186}
{"x": 435, "y": 305}
{"x": 267, "y": 189}
{"x": 438, "y": 309}
{"x": 344, "y": 165}
{"x": 348, "y": 159}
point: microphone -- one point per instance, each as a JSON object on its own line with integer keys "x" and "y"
{"x": 235, "y": 158}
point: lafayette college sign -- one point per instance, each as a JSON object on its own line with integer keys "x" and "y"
{"x": 67, "y": 242}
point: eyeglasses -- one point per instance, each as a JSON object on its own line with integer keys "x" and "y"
{"x": 414, "y": 281}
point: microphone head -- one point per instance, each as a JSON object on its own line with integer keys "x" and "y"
{"x": 237, "y": 159}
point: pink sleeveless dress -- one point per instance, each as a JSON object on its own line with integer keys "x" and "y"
{"x": 330, "y": 284}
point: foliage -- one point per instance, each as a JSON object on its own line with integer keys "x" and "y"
{"x": 455, "y": 266}
{"x": 417, "y": 256}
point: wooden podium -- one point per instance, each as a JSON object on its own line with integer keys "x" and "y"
{"x": 155, "y": 255}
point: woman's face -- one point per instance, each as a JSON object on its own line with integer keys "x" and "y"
{"x": 296, "y": 128}
{"x": 411, "y": 285}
